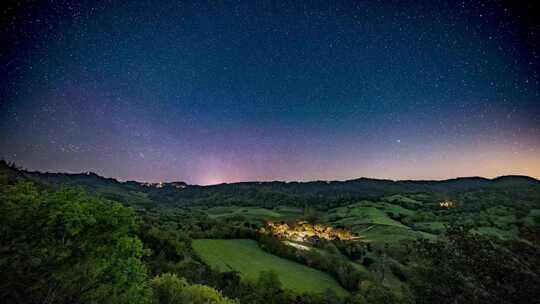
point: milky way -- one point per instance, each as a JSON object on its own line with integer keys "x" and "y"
{"x": 228, "y": 91}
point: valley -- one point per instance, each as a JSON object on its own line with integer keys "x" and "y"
{"x": 323, "y": 242}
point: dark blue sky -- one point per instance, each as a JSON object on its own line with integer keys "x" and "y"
{"x": 217, "y": 91}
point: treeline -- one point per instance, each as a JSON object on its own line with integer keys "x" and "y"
{"x": 472, "y": 193}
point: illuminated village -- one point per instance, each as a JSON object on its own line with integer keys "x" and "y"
{"x": 177, "y": 185}
{"x": 153, "y": 185}
{"x": 305, "y": 232}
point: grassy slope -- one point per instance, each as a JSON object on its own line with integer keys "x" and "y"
{"x": 401, "y": 199}
{"x": 381, "y": 234}
{"x": 246, "y": 257}
{"x": 366, "y": 213}
{"x": 254, "y": 213}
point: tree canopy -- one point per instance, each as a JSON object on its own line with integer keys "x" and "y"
{"x": 67, "y": 246}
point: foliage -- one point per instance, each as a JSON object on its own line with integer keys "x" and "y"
{"x": 474, "y": 194}
{"x": 468, "y": 268}
{"x": 67, "y": 246}
{"x": 62, "y": 245}
{"x": 170, "y": 289}
{"x": 168, "y": 247}
{"x": 373, "y": 293}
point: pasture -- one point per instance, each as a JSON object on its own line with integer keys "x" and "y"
{"x": 253, "y": 213}
{"x": 367, "y": 213}
{"x": 249, "y": 260}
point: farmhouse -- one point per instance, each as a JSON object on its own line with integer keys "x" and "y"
{"x": 447, "y": 204}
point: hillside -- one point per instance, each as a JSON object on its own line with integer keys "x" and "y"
{"x": 321, "y": 242}
{"x": 321, "y": 194}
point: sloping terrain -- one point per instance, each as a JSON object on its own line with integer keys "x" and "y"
{"x": 471, "y": 192}
{"x": 246, "y": 257}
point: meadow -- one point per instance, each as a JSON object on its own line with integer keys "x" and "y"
{"x": 246, "y": 257}
{"x": 254, "y": 213}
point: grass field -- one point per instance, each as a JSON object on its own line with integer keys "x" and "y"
{"x": 249, "y": 212}
{"x": 289, "y": 212}
{"x": 381, "y": 234}
{"x": 246, "y": 257}
{"x": 398, "y": 210}
{"x": 400, "y": 199}
{"x": 254, "y": 213}
{"x": 365, "y": 213}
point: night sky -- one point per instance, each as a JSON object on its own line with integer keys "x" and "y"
{"x": 225, "y": 91}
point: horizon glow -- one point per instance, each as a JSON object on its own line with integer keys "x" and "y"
{"x": 207, "y": 93}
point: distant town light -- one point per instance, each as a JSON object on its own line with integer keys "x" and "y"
{"x": 447, "y": 204}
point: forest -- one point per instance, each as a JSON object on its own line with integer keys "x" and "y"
{"x": 82, "y": 238}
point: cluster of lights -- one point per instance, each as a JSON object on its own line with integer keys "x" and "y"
{"x": 177, "y": 185}
{"x": 153, "y": 185}
{"x": 306, "y": 232}
{"x": 446, "y": 204}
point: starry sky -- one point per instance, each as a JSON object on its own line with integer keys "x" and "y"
{"x": 226, "y": 91}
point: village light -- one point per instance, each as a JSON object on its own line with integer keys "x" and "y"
{"x": 446, "y": 204}
{"x": 305, "y": 232}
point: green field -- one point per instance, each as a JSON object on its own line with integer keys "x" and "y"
{"x": 382, "y": 234}
{"x": 246, "y": 257}
{"x": 400, "y": 199}
{"x": 248, "y": 212}
{"x": 254, "y": 213}
{"x": 366, "y": 213}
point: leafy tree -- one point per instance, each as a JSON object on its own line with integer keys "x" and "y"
{"x": 170, "y": 289}
{"x": 269, "y": 280}
{"x": 168, "y": 248}
{"x": 202, "y": 294}
{"x": 374, "y": 293}
{"x": 66, "y": 247}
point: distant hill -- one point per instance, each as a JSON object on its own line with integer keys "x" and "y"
{"x": 268, "y": 194}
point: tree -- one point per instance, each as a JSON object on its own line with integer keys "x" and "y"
{"x": 462, "y": 267}
{"x": 170, "y": 289}
{"x": 269, "y": 280}
{"x": 67, "y": 246}
{"x": 376, "y": 293}
{"x": 202, "y": 294}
